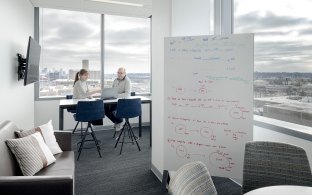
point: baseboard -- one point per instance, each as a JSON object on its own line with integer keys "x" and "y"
{"x": 156, "y": 172}
{"x": 237, "y": 181}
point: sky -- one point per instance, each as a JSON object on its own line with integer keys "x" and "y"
{"x": 283, "y": 37}
{"x": 283, "y": 33}
{"x": 68, "y": 37}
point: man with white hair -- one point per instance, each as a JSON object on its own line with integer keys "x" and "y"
{"x": 123, "y": 83}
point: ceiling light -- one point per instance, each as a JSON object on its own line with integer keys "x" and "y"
{"x": 120, "y": 3}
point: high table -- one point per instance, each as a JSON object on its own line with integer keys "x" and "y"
{"x": 281, "y": 190}
{"x": 72, "y": 103}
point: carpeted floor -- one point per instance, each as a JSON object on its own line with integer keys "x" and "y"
{"x": 128, "y": 173}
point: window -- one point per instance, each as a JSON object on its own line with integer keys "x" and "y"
{"x": 71, "y": 40}
{"x": 127, "y": 44}
{"x": 283, "y": 62}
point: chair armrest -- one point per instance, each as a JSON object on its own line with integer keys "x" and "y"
{"x": 64, "y": 139}
{"x": 164, "y": 182}
{"x": 32, "y": 185}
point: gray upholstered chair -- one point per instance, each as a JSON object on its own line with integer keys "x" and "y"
{"x": 272, "y": 163}
{"x": 191, "y": 178}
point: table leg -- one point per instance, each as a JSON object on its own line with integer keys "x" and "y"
{"x": 61, "y": 118}
{"x": 150, "y": 124}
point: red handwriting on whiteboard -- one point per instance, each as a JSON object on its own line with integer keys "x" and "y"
{"x": 235, "y": 134}
{"x": 192, "y": 99}
{"x": 205, "y": 81}
{"x": 218, "y": 158}
{"x": 233, "y": 107}
{"x": 180, "y": 90}
{"x": 237, "y": 112}
{"x": 202, "y": 90}
{"x": 193, "y": 143}
{"x": 205, "y": 132}
{"x": 185, "y": 119}
{"x": 221, "y": 160}
{"x": 206, "y": 129}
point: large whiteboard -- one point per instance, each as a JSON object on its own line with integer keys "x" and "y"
{"x": 208, "y": 101}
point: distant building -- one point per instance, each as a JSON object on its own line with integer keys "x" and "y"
{"x": 85, "y": 64}
{"x": 95, "y": 74}
{"x": 285, "y": 109}
{"x": 54, "y": 75}
{"x": 72, "y": 74}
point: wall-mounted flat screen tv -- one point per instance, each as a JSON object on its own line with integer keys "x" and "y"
{"x": 32, "y": 62}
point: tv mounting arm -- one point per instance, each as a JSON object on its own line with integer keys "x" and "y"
{"x": 21, "y": 66}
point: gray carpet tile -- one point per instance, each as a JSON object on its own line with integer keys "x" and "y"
{"x": 114, "y": 174}
{"x": 226, "y": 186}
{"x": 128, "y": 173}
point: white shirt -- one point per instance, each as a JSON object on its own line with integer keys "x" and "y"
{"x": 80, "y": 90}
{"x": 124, "y": 87}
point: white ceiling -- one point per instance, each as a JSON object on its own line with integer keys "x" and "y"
{"x": 99, "y": 7}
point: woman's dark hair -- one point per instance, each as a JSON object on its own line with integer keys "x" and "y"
{"x": 78, "y": 74}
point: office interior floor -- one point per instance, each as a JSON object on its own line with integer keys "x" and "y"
{"x": 128, "y": 173}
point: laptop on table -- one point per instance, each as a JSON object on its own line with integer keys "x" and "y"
{"x": 109, "y": 93}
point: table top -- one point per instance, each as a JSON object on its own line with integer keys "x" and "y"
{"x": 281, "y": 190}
{"x": 69, "y": 102}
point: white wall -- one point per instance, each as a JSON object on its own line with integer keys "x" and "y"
{"x": 160, "y": 28}
{"x": 190, "y": 18}
{"x": 170, "y": 18}
{"x": 17, "y": 24}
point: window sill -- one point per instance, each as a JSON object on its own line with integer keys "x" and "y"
{"x": 49, "y": 98}
{"x": 292, "y": 129}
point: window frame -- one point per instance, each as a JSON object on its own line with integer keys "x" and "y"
{"x": 278, "y": 125}
{"x": 102, "y": 56}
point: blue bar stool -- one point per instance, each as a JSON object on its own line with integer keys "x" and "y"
{"x": 131, "y": 94}
{"x": 89, "y": 111}
{"x": 128, "y": 108}
{"x": 73, "y": 110}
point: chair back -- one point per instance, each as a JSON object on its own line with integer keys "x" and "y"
{"x": 192, "y": 178}
{"x": 273, "y": 163}
{"x": 69, "y": 96}
{"x": 71, "y": 110}
{"x": 87, "y": 111}
{"x": 129, "y": 108}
